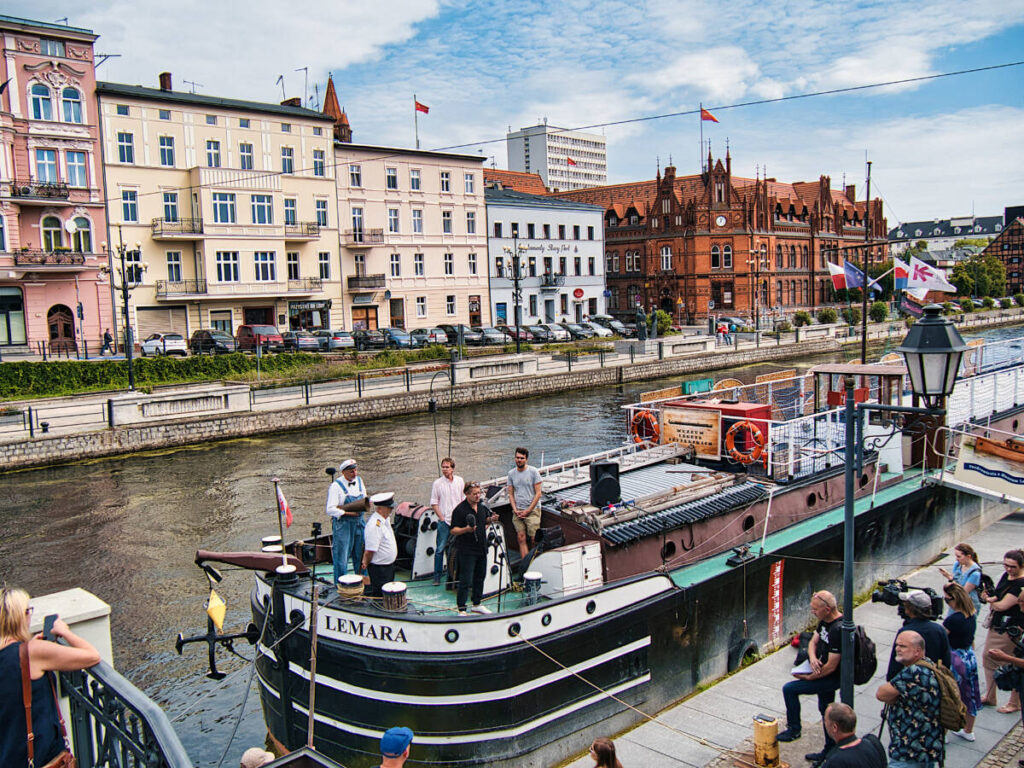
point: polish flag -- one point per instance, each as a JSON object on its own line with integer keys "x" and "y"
{"x": 422, "y": 108}
{"x": 838, "y": 275}
{"x": 283, "y": 508}
{"x": 705, "y": 115}
{"x": 570, "y": 161}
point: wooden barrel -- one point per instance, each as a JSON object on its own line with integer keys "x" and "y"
{"x": 394, "y": 596}
{"x": 766, "y": 743}
{"x": 350, "y": 586}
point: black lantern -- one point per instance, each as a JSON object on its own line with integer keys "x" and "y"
{"x": 933, "y": 349}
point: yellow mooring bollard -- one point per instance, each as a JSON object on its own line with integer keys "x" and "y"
{"x": 766, "y": 742}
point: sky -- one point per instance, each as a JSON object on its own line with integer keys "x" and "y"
{"x": 944, "y": 147}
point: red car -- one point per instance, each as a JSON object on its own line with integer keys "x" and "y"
{"x": 265, "y": 336}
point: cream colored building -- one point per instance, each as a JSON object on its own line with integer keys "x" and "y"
{"x": 234, "y": 204}
{"x": 413, "y": 237}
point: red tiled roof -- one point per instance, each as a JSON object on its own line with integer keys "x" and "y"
{"x": 530, "y": 183}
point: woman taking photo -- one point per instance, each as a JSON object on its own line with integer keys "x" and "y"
{"x": 602, "y": 751}
{"x": 966, "y": 572}
{"x": 44, "y": 658}
{"x": 1004, "y": 612}
{"x": 960, "y": 625}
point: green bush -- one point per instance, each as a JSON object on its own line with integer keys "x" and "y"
{"x": 827, "y": 316}
{"x": 966, "y": 305}
{"x": 878, "y": 312}
{"x": 1005, "y": 303}
{"x": 784, "y": 326}
{"x": 988, "y": 302}
{"x": 802, "y": 318}
{"x": 949, "y": 308}
{"x": 1019, "y": 298}
{"x": 851, "y": 315}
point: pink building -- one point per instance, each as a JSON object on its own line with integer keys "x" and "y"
{"x": 52, "y": 215}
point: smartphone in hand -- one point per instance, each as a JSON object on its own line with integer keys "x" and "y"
{"x": 48, "y": 623}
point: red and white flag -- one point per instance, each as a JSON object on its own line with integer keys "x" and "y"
{"x": 705, "y": 115}
{"x": 283, "y": 508}
{"x": 570, "y": 161}
{"x": 422, "y": 108}
{"x": 838, "y": 275}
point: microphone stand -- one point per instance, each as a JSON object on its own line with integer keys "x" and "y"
{"x": 500, "y": 554}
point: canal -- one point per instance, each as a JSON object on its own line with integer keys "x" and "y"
{"x": 127, "y": 529}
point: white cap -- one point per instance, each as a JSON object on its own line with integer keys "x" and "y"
{"x": 383, "y": 499}
{"x": 346, "y": 464}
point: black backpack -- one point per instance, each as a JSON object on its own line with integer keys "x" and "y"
{"x": 986, "y": 584}
{"x": 865, "y": 660}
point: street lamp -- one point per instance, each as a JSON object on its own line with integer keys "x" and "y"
{"x": 130, "y": 279}
{"x": 514, "y": 254}
{"x": 932, "y": 350}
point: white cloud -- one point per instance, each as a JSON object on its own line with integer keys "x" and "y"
{"x": 720, "y": 73}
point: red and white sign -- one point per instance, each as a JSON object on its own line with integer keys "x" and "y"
{"x": 775, "y": 601}
{"x": 578, "y": 293}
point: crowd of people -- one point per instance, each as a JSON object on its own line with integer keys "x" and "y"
{"x": 924, "y": 644}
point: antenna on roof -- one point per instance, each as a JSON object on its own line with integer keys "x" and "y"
{"x": 102, "y": 58}
{"x": 280, "y": 81}
{"x": 316, "y": 90}
{"x": 194, "y": 85}
{"x": 670, "y": 158}
{"x": 65, "y": 20}
{"x": 305, "y": 85}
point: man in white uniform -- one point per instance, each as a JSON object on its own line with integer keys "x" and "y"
{"x": 445, "y": 495}
{"x": 380, "y": 548}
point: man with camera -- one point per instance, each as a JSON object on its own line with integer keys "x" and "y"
{"x": 917, "y": 609}
{"x": 913, "y": 700}
{"x": 1012, "y": 632}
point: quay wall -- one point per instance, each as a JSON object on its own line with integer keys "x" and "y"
{"x": 63, "y": 449}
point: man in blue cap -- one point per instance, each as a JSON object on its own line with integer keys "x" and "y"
{"x": 394, "y": 747}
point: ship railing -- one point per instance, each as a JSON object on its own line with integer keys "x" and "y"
{"x": 113, "y": 723}
{"x": 790, "y": 397}
{"x": 978, "y": 398}
{"x": 991, "y": 356}
{"x": 806, "y": 445}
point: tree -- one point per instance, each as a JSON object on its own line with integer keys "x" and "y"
{"x": 886, "y": 282}
{"x": 664, "y": 321}
{"x": 921, "y": 246}
{"x": 972, "y": 242}
{"x": 852, "y": 315}
{"x": 878, "y": 312}
{"x": 801, "y": 318}
{"x": 980, "y": 275}
{"x": 828, "y": 315}
{"x": 1019, "y": 298}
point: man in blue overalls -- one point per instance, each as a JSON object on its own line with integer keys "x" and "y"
{"x": 346, "y": 515}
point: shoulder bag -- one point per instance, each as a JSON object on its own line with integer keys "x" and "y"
{"x": 65, "y": 759}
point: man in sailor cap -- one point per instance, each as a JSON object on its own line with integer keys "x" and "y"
{"x": 346, "y": 503}
{"x": 380, "y": 548}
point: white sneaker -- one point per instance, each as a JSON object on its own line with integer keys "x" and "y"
{"x": 963, "y": 735}
{"x": 463, "y": 613}
{"x": 480, "y": 609}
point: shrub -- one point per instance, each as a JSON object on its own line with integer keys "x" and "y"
{"x": 828, "y": 315}
{"x": 802, "y": 318}
{"x": 1019, "y": 298}
{"x": 878, "y": 312}
{"x": 909, "y": 321}
{"x": 949, "y": 308}
{"x": 966, "y": 305}
{"x": 784, "y": 326}
{"x": 852, "y": 315}
{"x": 988, "y": 302}
{"x": 1005, "y": 303}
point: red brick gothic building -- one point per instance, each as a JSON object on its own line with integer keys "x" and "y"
{"x": 698, "y": 245}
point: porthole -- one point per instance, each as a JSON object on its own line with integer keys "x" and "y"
{"x": 591, "y": 606}
{"x": 545, "y": 619}
{"x": 1016, "y": 426}
{"x": 812, "y": 499}
{"x": 514, "y": 629}
{"x": 452, "y": 635}
{"x": 668, "y": 551}
{"x": 748, "y": 522}
{"x": 864, "y": 480}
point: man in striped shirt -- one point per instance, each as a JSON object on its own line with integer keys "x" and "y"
{"x": 445, "y": 494}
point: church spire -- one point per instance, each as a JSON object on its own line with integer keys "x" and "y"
{"x": 342, "y": 129}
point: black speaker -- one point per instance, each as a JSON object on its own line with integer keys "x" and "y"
{"x": 604, "y": 483}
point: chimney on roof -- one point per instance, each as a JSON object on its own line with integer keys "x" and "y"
{"x": 165, "y": 81}
{"x": 294, "y": 101}
{"x": 851, "y": 193}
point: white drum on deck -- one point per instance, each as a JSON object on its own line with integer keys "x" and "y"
{"x": 275, "y": 549}
{"x": 394, "y": 596}
{"x": 270, "y": 541}
{"x": 531, "y": 586}
{"x": 350, "y": 585}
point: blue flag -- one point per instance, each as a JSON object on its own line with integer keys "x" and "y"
{"x": 855, "y": 278}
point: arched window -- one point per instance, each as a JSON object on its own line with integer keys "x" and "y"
{"x": 81, "y": 241}
{"x": 71, "y": 104}
{"x": 42, "y": 109}
{"x": 778, "y": 257}
{"x": 727, "y": 257}
{"x": 764, "y": 257}
{"x": 792, "y": 257}
{"x": 3, "y": 235}
{"x": 807, "y": 292}
{"x": 792, "y": 292}
{"x": 53, "y": 234}
{"x": 803, "y": 260}
{"x": 778, "y": 293}
{"x": 632, "y": 295}
{"x": 716, "y": 257}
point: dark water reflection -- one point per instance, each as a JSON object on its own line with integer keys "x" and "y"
{"x": 127, "y": 529}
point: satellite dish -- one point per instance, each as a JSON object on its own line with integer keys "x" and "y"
{"x": 70, "y": 226}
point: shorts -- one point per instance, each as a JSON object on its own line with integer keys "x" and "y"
{"x": 530, "y": 523}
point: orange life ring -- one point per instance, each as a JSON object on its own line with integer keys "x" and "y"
{"x": 754, "y": 453}
{"x": 645, "y": 427}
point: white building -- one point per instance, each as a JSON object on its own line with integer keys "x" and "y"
{"x": 564, "y": 159}
{"x": 943, "y": 233}
{"x": 561, "y": 246}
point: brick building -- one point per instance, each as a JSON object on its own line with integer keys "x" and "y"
{"x": 1009, "y": 247}
{"x": 697, "y": 245}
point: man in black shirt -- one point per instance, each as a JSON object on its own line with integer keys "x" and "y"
{"x": 850, "y": 751}
{"x": 917, "y": 610}
{"x": 823, "y": 656}
{"x": 469, "y": 527}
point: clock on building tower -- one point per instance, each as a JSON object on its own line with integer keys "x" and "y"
{"x": 720, "y": 221}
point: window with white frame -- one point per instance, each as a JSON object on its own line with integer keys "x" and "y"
{"x": 446, "y": 181}
{"x": 666, "y": 258}
{"x": 324, "y": 260}
{"x": 167, "y": 151}
{"x": 357, "y": 224}
{"x": 533, "y": 304}
{"x": 292, "y": 260}
{"x": 321, "y": 213}
{"x": 125, "y": 147}
{"x": 165, "y": 114}
{"x": 122, "y": 110}
{"x": 470, "y": 222}
{"x": 287, "y": 160}
{"x": 286, "y": 127}
{"x": 417, "y": 221}
{"x": 499, "y": 266}
{"x": 211, "y": 119}
{"x": 417, "y": 265}
{"x": 170, "y": 206}
{"x": 262, "y": 209}
{"x": 393, "y": 220}
{"x": 48, "y": 47}
{"x": 42, "y": 107}
{"x": 265, "y": 264}
{"x": 245, "y": 156}
{"x": 446, "y": 222}
{"x": 174, "y": 266}
{"x": 129, "y": 206}
{"x": 470, "y": 181}
{"x": 224, "y": 207}
{"x": 471, "y": 263}
{"x": 213, "y": 153}
{"x": 414, "y": 179}
{"x": 227, "y": 266}
{"x": 81, "y": 240}
{"x": 290, "y": 210}
{"x": 449, "y": 264}
{"x": 53, "y": 233}
{"x": 629, "y": 261}
{"x": 360, "y": 263}
{"x": 46, "y": 166}
{"x": 396, "y": 265}
{"x": 727, "y": 257}
{"x": 319, "y": 163}
{"x": 355, "y": 176}
{"x": 243, "y": 122}
{"x": 449, "y": 304}
{"x": 391, "y": 178}
{"x": 71, "y": 105}
{"x": 592, "y": 266}
{"x": 318, "y": 131}
{"x": 421, "y": 306}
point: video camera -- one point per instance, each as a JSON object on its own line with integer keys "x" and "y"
{"x": 889, "y": 593}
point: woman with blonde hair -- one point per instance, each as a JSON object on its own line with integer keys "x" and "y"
{"x": 603, "y": 753}
{"x": 960, "y": 625}
{"x": 17, "y": 646}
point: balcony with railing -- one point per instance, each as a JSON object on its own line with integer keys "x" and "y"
{"x": 52, "y": 261}
{"x": 551, "y": 282}
{"x": 363, "y": 238}
{"x": 40, "y": 192}
{"x": 177, "y": 229}
{"x": 366, "y": 282}
{"x": 302, "y": 230}
{"x": 174, "y": 289}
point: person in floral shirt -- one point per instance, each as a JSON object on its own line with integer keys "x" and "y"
{"x": 916, "y": 737}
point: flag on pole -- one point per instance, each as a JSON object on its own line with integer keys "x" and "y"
{"x": 855, "y": 278}
{"x": 422, "y": 108}
{"x": 838, "y": 276}
{"x": 900, "y": 274}
{"x": 705, "y": 115}
{"x": 283, "y": 508}
{"x": 570, "y": 161}
{"x": 924, "y": 278}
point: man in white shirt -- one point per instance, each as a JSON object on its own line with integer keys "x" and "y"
{"x": 445, "y": 494}
{"x": 346, "y": 524}
{"x": 381, "y": 549}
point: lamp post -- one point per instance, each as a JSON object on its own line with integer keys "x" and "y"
{"x": 130, "y": 278}
{"x": 514, "y": 254}
{"x": 756, "y": 282}
{"x": 932, "y": 350}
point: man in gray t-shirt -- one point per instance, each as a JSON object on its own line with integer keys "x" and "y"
{"x": 524, "y": 486}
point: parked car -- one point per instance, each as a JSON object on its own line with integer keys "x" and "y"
{"x": 165, "y": 344}
{"x": 614, "y": 325}
{"x": 540, "y": 333}
{"x": 369, "y": 339}
{"x": 399, "y": 338}
{"x": 212, "y": 342}
{"x": 265, "y": 336}
{"x": 510, "y": 331}
{"x": 558, "y": 333}
{"x": 329, "y": 341}
{"x": 492, "y": 335}
{"x": 739, "y": 322}
{"x": 431, "y": 335}
{"x": 577, "y": 331}
{"x": 469, "y": 336}
{"x": 598, "y": 329}
{"x": 300, "y": 341}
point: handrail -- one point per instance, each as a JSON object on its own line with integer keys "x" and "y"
{"x": 113, "y": 723}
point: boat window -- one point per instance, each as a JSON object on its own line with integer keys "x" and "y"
{"x": 748, "y": 522}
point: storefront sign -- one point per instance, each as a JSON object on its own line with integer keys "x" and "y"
{"x": 362, "y": 298}
{"x": 307, "y": 306}
{"x": 578, "y": 293}
{"x": 700, "y": 428}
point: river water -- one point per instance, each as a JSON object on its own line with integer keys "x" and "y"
{"x": 127, "y": 529}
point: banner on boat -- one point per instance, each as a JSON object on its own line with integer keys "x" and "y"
{"x": 993, "y": 466}
{"x": 698, "y": 427}
{"x": 775, "y": 602}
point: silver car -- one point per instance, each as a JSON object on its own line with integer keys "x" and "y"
{"x": 165, "y": 344}
{"x": 332, "y": 340}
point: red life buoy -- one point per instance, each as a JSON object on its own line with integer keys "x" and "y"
{"x": 645, "y": 427}
{"x": 755, "y": 434}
